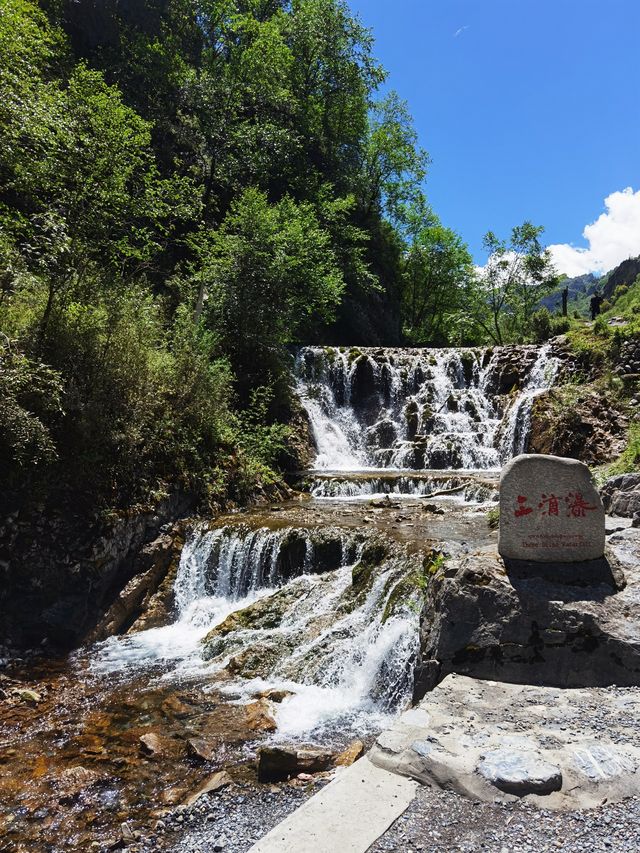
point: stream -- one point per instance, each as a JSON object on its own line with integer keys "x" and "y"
{"x": 295, "y": 622}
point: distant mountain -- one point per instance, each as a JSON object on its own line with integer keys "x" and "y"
{"x": 579, "y": 287}
{"x": 625, "y": 273}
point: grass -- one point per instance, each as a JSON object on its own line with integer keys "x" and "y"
{"x": 628, "y": 461}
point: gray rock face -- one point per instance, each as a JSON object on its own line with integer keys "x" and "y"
{"x": 560, "y": 749}
{"x": 621, "y": 495}
{"x": 550, "y": 511}
{"x": 480, "y": 620}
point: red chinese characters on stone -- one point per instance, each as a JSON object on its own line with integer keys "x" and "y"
{"x": 549, "y": 505}
{"x": 577, "y": 507}
{"x": 522, "y": 509}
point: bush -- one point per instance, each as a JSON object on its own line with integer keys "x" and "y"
{"x": 541, "y": 325}
{"x": 30, "y": 400}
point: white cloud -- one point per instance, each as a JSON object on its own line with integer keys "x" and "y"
{"x": 612, "y": 238}
{"x": 460, "y": 31}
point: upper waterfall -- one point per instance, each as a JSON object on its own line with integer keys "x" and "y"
{"x": 420, "y": 408}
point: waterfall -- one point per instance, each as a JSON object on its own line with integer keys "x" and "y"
{"x": 420, "y": 409}
{"x": 330, "y": 644}
{"x": 517, "y": 421}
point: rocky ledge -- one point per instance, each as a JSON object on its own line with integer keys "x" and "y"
{"x": 485, "y": 621}
{"x": 561, "y": 749}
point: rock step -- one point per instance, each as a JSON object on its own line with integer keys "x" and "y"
{"x": 561, "y": 749}
{"x": 354, "y": 810}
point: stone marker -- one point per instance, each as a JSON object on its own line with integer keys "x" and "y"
{"x": 550, "y": 511}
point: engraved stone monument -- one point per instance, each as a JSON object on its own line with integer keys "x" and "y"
{"x": 550, "y": 511}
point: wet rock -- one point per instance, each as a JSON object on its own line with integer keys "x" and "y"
{"x": 433, "y": 509}
{"x": 173, "y": 796}
{"x": 154, "y": 745}
{"x": 216, "y": 782}
{"x": 277, "y": 764}
{"x": 127, "y": 834}
{"x": 30, "y": 696}
{"x": 363, "y": 380}
{"x": 174, "y": 707}
{"x": 352, "y": 753}
{"x": 200, "y": 749}
{"x": 385, "y": 503}
{"x": 382, "y": 434}
{"x": 260, "y": 717}
{"x": 274, "y": 694}
{"x": 73, "y": 781}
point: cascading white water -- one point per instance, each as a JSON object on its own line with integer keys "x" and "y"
{"x": 365, "y": 487}
{"x": 417, "y": 409}
{"x": 343, "y": 661}
{"x": 517, "y": 421}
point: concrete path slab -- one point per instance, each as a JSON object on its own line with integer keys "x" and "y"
{"x": 345, "y": 817}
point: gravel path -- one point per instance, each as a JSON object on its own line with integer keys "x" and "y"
{"x": 444, "y": 821}
{"x": 233, "y": 820}
{"x": 436, "y": 822}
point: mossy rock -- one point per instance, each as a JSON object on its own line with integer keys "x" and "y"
{"x": 413, "y": 586}
{"x": 468, "y": 360}
{"x": 265, "y": 613}
{"x": 259, "y": 659}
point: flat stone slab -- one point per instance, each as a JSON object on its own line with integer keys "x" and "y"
{"x": 347, "y": 816}
{"x": 560, "y": 749}
{"x": 550, "y": 511}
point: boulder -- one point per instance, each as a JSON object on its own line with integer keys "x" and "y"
{"x": 550, "y": 511}
{"x": 482, "y": 621}
{"x": 260, "y": 716}
{"x": 278, "y": 763}
{"x": 621, "y": 495}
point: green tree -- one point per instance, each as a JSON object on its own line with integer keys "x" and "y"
{"x": 394, "y": 166}
{"x": 270, "y": 276}
{"x": 517, "y": 275}
{"x": 437, "y": 275}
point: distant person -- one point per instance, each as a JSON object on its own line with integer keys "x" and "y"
{"x": 594, "y": 304}
{"x": 565, "y": 299}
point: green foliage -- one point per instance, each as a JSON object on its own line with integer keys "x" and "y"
{"x": 629, "y": 459}
{"x": 30, "y": 399}
{"x": 263, "y": 442}
{"x": 517, "y": 275}
{"x": 437, "y": 275}
{"x": 493, "y": 518}
{"x": 270, "y": 276}
{"x": 544, "y": 325}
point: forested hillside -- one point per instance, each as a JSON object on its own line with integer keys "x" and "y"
{"x": 185, "y": 189}
{"x": 188, "y": 188}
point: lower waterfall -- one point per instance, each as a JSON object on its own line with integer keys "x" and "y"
{"x": 344, "y": 650}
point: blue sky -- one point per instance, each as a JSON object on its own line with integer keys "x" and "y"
{"x": 530, "y": 109}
